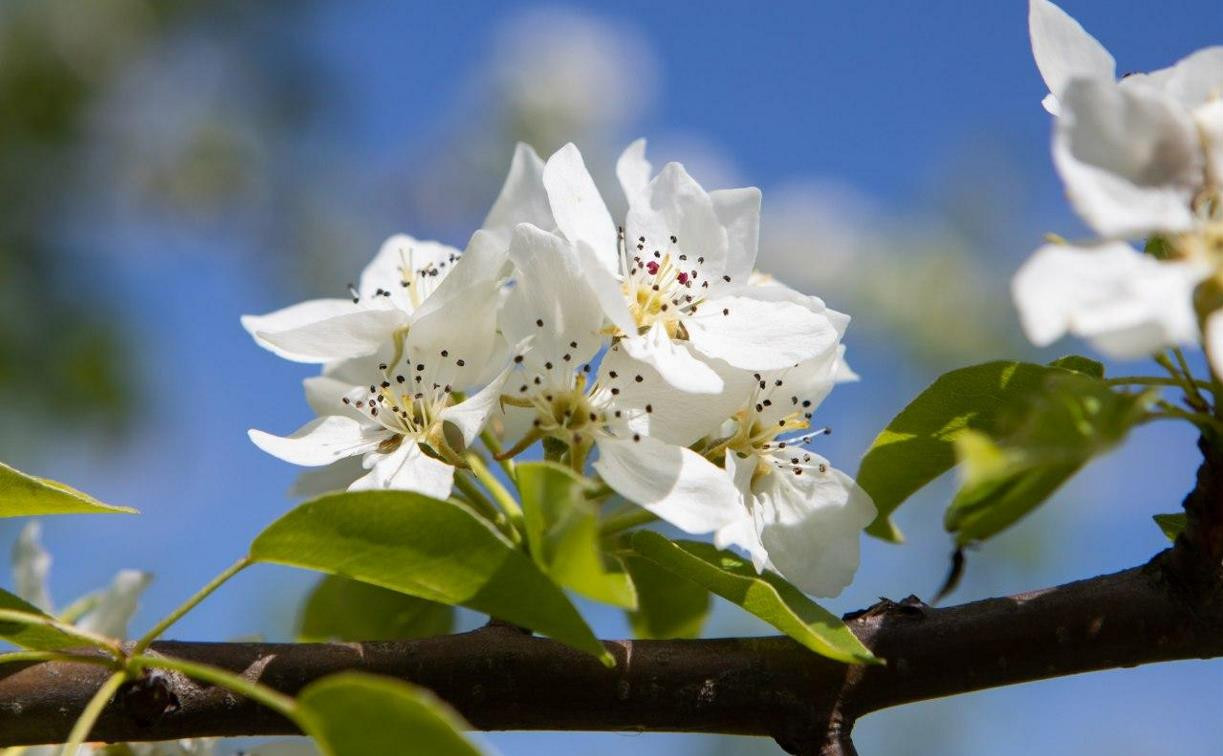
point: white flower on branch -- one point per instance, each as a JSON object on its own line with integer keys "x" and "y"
{"x": 798, "y": 515}
{"x": 672, "y": 280}
{"x": 1140, "y": 157}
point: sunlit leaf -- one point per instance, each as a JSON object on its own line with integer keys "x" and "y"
{"x": 22, "y": 495}
{"x": 917, "y": 445}
{"x": 765, "y": 595}
{"x": 436, "y": 550}
{"x": 1072, "y": 419}
{"x": 349, "y": 610}
{"x": 1171, "y": 524}
{"x": 355, "y": 714}
{"x": 563, "y": 534}
{"x": 668, "y": 606}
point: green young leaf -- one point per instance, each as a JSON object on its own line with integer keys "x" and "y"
{"x": 31, "y": 635}
{"x": 24, "y": 495}
{"x": 349, "y": 610}
{"x": 563, "y": 534}
{"x": 1074, "y": 418}
{"x": 917, "y": 446}
{"x": 356, "y": 714}
{"x": 1080, "y": 364}
{"x": 1171, "y": 524}
{"x": 436, "y": 550}
{"x": 765, "y": 595}
{"x": 668, "y": 606}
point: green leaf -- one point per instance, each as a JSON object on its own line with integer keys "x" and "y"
{"x": 917, "y": 446}
{"x": 668, "y": 606}
{"x": 563, "y": 534}
{"x": 1171, "y": 524}
{"x": 1073, "y": 419}
{"x": 1080, "y": 364}
{"x": 31, "y": 635}
{"x": 765, "y": 595}
{"x": 349, "y": 610}
{"x": 22, "y": 495}
{"x": 436, "y": 550}
{"x": 356, "y": 714}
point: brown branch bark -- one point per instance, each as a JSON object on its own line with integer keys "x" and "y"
{"x": 500, "y": 678}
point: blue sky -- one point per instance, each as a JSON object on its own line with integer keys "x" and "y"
{"x": 887, "y": 98}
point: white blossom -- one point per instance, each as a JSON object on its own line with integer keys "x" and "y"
{"x": 1140, "y": 158}
{"x": 672, "y": 280}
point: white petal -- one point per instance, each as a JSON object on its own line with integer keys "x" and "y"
{"x": 460, "y": 318}
{"x": 337, "y": 476}
{"x": 321, "y": 441}
{"x": 1213, "y": 338}
{"x": 1129, "y": 156}
{"x": 674, "y": 204}
{"x": 743, "y": 532}
{"x": 1209, "y": 119}
{"x": 1127, "y": 303}
{"x": 803, "y": 387}
{"x": 406, "y": 469}
{"x": 675, "y": 416}
{"x": 577, "y": 206}
{"x": 470, "y": 415}
{"x": 675, "y": 483}
{"x": 633, "y": 170}
{"x": 551, "y": 287}
{"x": 1064, "y": 50}
{"x": 811, "y": 525}
{"x": 117, "y": 604}
{"x": 340, "y": 337}
{"x": 754, "y": 334}
{"x": 31, "y": 563}
{"x": 739, "y": 213}
{"x": 522, "y": 198}
{"x": 1193, "y": 81}
{"x": 673, "y": 360}
{"x": 293, "y": 317}
{"x": 606, "y": 288}
{"x": 397, "y": 262}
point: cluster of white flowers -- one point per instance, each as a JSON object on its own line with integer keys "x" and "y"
{"x": 1141, "y": 158}
{"x": 651, "y": 343}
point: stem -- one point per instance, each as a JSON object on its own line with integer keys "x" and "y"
{"x": 1152, "y": 380}
{"x": 502, "y": 496}
{"x": 93, "y": 639}
{"x": 477, "y": 498}
{"x": 494, "y": 448}
{"x": 17, "y": 657}
{"x": 1171, "y": 411}
{"x": 618, "y": 523}
{"x": 190, "y": 604}
{"x": 272, "y": 699}
{"x": 91, "y": 712}
{"x": 1195, "y": 397}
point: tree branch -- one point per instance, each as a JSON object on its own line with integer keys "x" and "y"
{"x": 500, "y": 678}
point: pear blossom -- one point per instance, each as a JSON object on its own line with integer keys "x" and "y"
{"x": 553, "y": 309}
{"x": 407, "y": 425}
{"x": 418, "y": 334}
{"x": 672, "y": 281}
{"x": 797, "y": 514}
{"x": 1140, "y": 157}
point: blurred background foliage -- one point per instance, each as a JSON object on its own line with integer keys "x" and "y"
{"x": 112, "y": 113}
{"x": 166, "y": 165}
